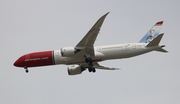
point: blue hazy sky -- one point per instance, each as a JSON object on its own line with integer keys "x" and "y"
{"x": 39, "y": 25}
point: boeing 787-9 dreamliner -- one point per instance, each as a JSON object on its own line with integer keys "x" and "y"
{"x": 86, "y": 56}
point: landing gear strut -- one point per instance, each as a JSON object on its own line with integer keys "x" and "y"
{"x": 89, "y": 61}
{"x": 26, "y": 69}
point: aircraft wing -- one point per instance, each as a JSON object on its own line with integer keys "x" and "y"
{"x": 88, "y": 40}
{"x": 96, "y": 65}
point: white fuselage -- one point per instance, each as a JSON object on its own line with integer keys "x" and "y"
{"x": 107, "y": 52}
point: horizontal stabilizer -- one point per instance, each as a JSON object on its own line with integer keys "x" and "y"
{"x": 161, "y": 50}
{"x": 155, "y": 42}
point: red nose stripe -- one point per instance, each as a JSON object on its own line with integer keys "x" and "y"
{"x": 35, "y": 59}
{"x": 39, "y": 59}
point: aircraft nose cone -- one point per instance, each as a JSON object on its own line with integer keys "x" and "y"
{"x": 19, "y": 62}
{"x": 16, "y": 63}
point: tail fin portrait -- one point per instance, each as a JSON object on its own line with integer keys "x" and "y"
{"x": 152, "y": 33}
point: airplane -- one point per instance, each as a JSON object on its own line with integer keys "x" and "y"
{"x": 86, "y": 56}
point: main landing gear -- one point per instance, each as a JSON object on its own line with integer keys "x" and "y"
{"x": 92, "y": 69}
{"x": 89, "y": 61}
{"x": 26, "y": 69}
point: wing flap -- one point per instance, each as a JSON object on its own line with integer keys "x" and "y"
{"x": 96, "y": 65}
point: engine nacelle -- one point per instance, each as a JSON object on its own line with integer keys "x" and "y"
{"x": 74, "y": 69}
{"x": 68, "y": 51}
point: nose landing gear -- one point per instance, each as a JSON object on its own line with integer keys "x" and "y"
{"x": 26, "y": 69}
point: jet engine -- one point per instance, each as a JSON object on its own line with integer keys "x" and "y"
{"x": 68, "y": 51}
{"x": 75, "y": 69}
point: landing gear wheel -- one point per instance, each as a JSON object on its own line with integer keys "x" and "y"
{"x": 26, "y": 70}
{"x": 93, "y": 70}
{"x": 89, "y": 69}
